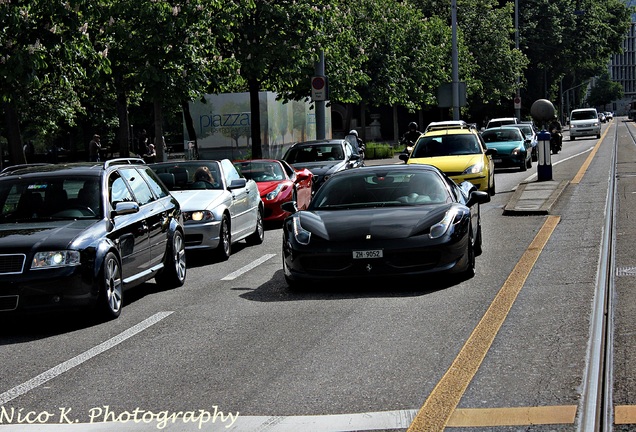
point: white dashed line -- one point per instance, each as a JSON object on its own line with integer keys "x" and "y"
{"x": 33, "y": 383}
{"x": 248, "y": 267}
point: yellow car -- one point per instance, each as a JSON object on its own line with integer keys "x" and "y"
{"x": 460, "y": 152}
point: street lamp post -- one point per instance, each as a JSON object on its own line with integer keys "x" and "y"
{"x": 455, "y": 85}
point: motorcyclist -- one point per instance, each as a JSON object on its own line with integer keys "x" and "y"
{"x": 556, "y": 135}
{"x": 412, "y": 134}
{"x": 358, "y": 142}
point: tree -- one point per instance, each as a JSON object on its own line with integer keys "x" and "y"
{"x": 171, "y": 52}
{"x": 46, "y": 60}
{"x": 604, "y": 91}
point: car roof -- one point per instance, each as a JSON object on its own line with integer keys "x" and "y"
{"x": 319, "y": 142}
{"x": 440, "y": 132}
{"x": 449, "y": 124}
{"x": 70, "y": 169}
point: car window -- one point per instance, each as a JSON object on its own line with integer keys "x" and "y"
{"x": 118, "y": 190}
{"x": 446, "y": 145}
{"x": 51, "y": 197}
{"x": 230, "y": 171}
{"x": 141, "y": 190}
{"x": 149, "y": 175}
{"x": 378, "y": 189}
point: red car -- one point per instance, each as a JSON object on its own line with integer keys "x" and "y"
{"x": 278, "y": 182}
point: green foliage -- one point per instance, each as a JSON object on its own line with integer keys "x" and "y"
{"x": 378, "y": 151}
{"x": 604, "y": 91}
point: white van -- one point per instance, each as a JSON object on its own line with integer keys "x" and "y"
{"x": 584, "y": 122}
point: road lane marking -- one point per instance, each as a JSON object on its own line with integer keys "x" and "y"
{"x": 579, "y": 175}
{"x": 55, "y": 371}
{"x": 248, "y": 267}
{"x": 441, "y": 403}
{"x": 625, "y": 414}
{"x": 517, "y": 416}
{"x": 534, "y": 175}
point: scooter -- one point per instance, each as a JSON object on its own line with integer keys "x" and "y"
{"x": 556, "y": 141}
{"x": 408, "y": 149}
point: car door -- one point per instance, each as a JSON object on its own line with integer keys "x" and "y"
{"x": 154, "y": 213}
{"x": 240, "y": 204}
{"x": 166, "y": 211}
{"x": 130, "y": 231}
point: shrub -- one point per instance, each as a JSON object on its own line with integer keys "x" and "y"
{"x": 378, "y": 151}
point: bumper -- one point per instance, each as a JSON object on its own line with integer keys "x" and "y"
{"x": 338, "y": 263}
{"x": 579, "y": 132}
{"x": 480, "y": 181}
{"x": 202, "y": 235}
{"x": 45, "y": 290}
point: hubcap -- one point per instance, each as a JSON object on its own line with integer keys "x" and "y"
{"x": 113, "y": 285}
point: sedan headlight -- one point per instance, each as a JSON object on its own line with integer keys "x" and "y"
{"x": 516, "y": 152}
{"x": 442, "y": 227}
{"x": 273, "y": 194}
{"x": 301, "y": 235}
{"x": 53, "y": 259}
{"x": 475, "y": 169}
{"x": 198, "y": 216}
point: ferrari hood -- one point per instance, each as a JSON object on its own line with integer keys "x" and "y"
{"x": 378, "y": 223}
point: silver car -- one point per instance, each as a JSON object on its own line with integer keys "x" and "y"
{"x": 220, "y": 206}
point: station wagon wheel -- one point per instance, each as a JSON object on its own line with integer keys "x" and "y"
{"x": 174, "y": 271}
{"x": 224, "y": 249}
{"x": 258, "y": 235}
{"x": 111, "y": 291}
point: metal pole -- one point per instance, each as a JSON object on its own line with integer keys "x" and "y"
{"x": 455, "y": 85}
{"x": 517, "y": 94}
{"x": 320, "y": 105}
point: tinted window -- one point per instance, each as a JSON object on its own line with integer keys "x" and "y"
{"x": 118, "y": 190}
{"x": 140, "y": 188}
{"x": 156, "y": 186}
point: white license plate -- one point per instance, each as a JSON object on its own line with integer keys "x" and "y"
{"x": 496, "y": 160}
{"x": 366, "y": 254}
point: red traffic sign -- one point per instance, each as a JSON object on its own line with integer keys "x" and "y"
{"x": 319, "y": 88}
{"x": 517, "y": 102}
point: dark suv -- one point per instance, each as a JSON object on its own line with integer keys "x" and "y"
{"x": 78, "y": 235}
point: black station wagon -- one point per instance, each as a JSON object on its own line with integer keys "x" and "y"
{"x": 75, "y": 236}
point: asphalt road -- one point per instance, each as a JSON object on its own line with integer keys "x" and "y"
{"x": 502, "y": 351}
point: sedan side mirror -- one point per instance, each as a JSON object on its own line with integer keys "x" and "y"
{"x": 289, "y": 206}
{"x": 237, "y": 184}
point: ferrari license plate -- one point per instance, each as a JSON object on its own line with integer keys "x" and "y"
{"x": 366, "y": 254}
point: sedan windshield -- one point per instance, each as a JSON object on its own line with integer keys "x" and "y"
{"x": 24, "y": 199}
{"x": 446, "y": 145}
{"x": 189, "y": 175}
{"x": 381, "y": 189}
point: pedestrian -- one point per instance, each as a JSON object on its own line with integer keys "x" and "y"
{"x": 94, "y": 148}
{"x": 151, "y": 154}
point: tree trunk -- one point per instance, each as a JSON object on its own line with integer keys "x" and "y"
{"x": 124, "y": 127}
{"x": 14, "y": 138}
{"x": 192, "y": 134}
{"x": 255, "y": 118}
{"x": 158, "y": 130}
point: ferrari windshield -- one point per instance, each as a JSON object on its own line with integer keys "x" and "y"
{"x": 381, "y": 189}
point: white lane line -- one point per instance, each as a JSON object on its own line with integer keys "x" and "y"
{"x": 369, "y": 421}
{"x": 533, "y": 176}
{"x": 78, "y": 360}
{"x": 248, "y": 267}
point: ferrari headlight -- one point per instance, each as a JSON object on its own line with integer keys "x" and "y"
{"x": 301, "y": 235}
{"x": 475, "y": 169}
{"x": 53, "y": 259}
{"x": 442, "y": 227}
{"x": 273, "y": 194}
{"x": 198, "y": 216}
